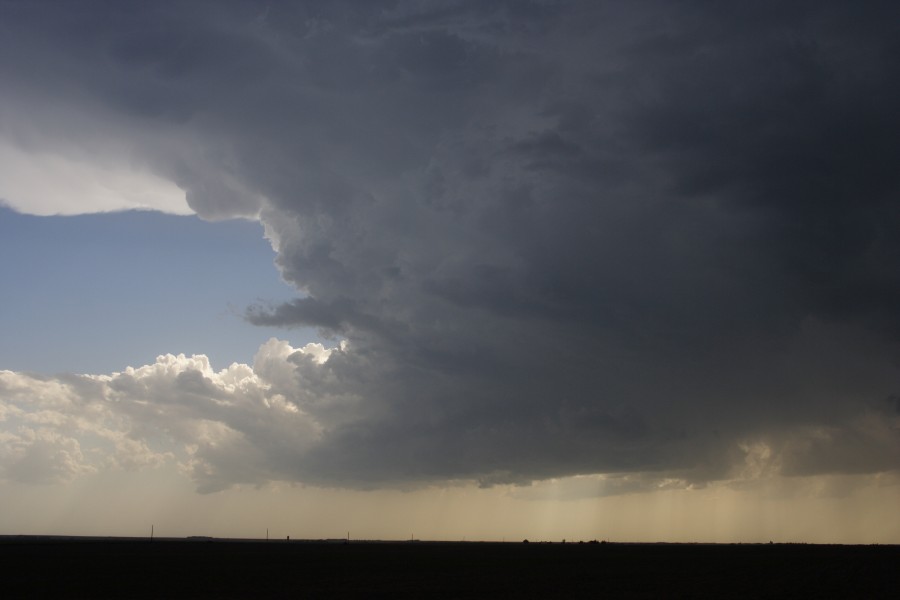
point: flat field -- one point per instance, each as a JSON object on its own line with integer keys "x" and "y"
{"x": 36, "y": 567}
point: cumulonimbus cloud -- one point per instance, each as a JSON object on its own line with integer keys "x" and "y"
{"x": 558, "y": 238}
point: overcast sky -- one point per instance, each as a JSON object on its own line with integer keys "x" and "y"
{"x": 525, "y": 258}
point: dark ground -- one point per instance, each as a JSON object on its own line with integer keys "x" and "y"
{"x": 97, "y": 568}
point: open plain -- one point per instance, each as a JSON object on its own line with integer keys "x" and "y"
{"x": 49, "y": 567}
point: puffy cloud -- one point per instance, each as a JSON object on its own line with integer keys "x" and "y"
{"x": 42, "y": 456}
{"x": 559, "y": 238}
{"x": 222, "y": 428}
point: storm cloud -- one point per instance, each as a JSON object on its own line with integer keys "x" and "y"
{"x": 546, "y": 238}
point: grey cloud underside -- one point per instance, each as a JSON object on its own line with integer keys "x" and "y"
{"x": 559, "y": 238}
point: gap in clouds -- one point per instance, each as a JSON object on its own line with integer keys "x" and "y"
{"x": 57, "y": 182}
{"x": 97, "y": 293}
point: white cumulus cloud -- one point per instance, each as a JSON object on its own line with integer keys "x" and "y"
{"x": 221, "y": 427}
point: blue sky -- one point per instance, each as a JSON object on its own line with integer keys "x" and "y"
{"x": 129, "y": 286}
